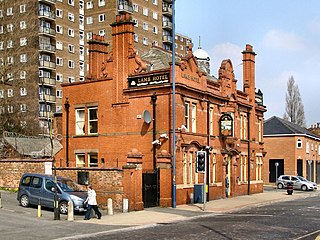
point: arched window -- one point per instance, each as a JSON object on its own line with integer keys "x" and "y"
{"x": 299, "y": 143}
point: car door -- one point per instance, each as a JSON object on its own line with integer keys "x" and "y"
{"x": 36, "y": 190}
{"x": 296, "y": 182}
{"x": 48, "y": 193}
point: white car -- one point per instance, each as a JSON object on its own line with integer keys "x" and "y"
{"x": 298, "y": 182}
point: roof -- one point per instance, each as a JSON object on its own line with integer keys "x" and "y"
{"x": 37, "y": 147}
{"x": 279, "y": 126}
{"x": 201, "y": 54}
{"x": 158, "y": 58}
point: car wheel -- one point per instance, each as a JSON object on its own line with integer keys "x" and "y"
{"x": 304, "y": 188}
{"x": 24, "y": 201}
{"x": 63, "y": 207}
{"x": 280, "y": 185}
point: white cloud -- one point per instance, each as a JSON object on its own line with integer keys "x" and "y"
{"x": 284, "y": 41}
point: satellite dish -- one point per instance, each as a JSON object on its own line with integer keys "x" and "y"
{"x": 146, "y": 116}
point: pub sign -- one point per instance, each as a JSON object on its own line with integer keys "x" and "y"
{"x": 142, "y": 81}
{"x": 226, "y": 125}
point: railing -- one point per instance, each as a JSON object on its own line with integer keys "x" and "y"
{"x": 44, "y": 114}
{"x": 47, "y": 97}
{"x": 167, "y": 24}
{"x": 48, "y": 1}
{"x": 47, "y": 64}
{"x": 167, "y": 38}
{"x": 47, "y": 30}
{"x": 47, "y": 47}
{"x": 125, "y": 8}
{"x": 47, "y": 81}
{"x": 167, "y": 11}
{"x": 48, "y": 14}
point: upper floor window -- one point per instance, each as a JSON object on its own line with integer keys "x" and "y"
{"x": 211, "y": 121}
{"x": 22, "y": 8}
{"x": 71, "y": 2}
{"x": 299, "y": 143}
{"x": 23, "y": 91}
{"x": 243, "y": 126}
{"x": 93, "y": 120}
{"x": 23, "y": 25}
{"x": 186, "y": 115}
{"x": 9, "y": 11}
{"x": 194, "y": 117}
{"x": 71, "y": 17}
{"x": 59, "y": 13}
{"x": 135, "y": 7}
{"x": 102, "y": 17}
{"x": 145, "y": 11}
{"x": 101, "y": 3}
{"x": 80, "y": 121}
{"x": 89, "y": 20}
{"x": 155, "y": 15}
{"x": 307, "y": 147}
{"x": 89, "y": 4}
{"x": 155, "y": 2}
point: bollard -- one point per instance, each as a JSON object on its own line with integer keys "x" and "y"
{"x": 0, "y": 201}
{"x": 125, "y": 205}
{"x": 70, "y": 211}
{"x": 191, "y": 198}
{"x": 110, "y": 209}
{"x": 39, "y": 209}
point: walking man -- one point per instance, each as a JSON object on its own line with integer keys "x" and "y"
{"x": 92, "y": 203}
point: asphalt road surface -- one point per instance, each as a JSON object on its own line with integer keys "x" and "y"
{"x": 297, "y": 219}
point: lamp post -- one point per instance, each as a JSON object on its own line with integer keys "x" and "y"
{"x": 67, "y": 106}
{"x": 174, "y": 186}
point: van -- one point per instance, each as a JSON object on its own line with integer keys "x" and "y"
{"x": 38, "y": 189}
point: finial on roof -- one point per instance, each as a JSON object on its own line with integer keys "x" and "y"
{"x": 199, "y": 47}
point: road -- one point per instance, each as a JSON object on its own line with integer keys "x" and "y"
{"x": 298, "y": 219}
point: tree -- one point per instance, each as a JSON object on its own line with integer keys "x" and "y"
{"x": 19, "y": 78}
{"x": 294, "y": 107}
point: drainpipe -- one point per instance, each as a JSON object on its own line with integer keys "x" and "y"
{"x": 249, "y": 153}
{"x": 154, "y": 100}
{"x": 208, "y": 149}
{"x": 67, "y": 106}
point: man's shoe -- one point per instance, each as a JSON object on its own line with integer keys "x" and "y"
{"x": 86, "y": 218}
{"x": 99, "y": 217}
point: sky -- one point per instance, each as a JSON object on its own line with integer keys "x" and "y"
{"x": 285, "y": 35}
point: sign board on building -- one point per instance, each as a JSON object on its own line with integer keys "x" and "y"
{"x": 142, "y": 81}
{"x": 226, "y": 125}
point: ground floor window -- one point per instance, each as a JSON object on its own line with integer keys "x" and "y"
{"x": 80, "y": 160}
{"x": 243, "y": 168}
{"x": 258, "y": 168}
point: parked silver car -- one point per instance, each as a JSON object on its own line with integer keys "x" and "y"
{"x": 299, "y": 183}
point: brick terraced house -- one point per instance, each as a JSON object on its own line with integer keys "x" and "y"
{"x": 120, "y": 117}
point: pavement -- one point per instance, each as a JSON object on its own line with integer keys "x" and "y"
{"x": 160, "y": 215}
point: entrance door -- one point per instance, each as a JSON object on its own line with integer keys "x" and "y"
{"x": 150, "y": 188}
{"x": 276, "y": 168}
{"x": 318, "y": 172}
{"x": 299, "y": 167}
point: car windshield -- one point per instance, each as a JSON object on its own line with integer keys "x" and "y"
{"x": 67, "y": 185}
{"x": 302, "y": 179}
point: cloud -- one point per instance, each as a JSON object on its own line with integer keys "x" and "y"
{"x": 287, "y": 41}
{"x": 314, "y": 27}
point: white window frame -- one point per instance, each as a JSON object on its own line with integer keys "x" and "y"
{"x": 89, "y": 20}
{"x": 80, "y": 160}
{"x": 9, "y": 11}
{"x": 102, "y": 17}
{"x": 23, "y": 25}
{"x": 80, "y": 121}
{"x": 135, "y": 7}
{"x": 23, "y": 74}
{"x": 59, "y": 45}
{"x": 1, "y": 93}
{"x": 23, "y": 58}
{"x": 92, "y": 121}
{"x": 194, "y": 117}
{"x": 90, "y": 163}
{"x": 59, "y": 77}
{"x": 71, "y": 48}
{"x": 155, "y": 30}
{"x": 71, "y": 2}
{"x": 23, "y": 107}
{"x": 59, "y": 61}
{"x": 70, "y": 17}
{"x": 22, "y": 8}
{"x": 71, "y": 64}
{"x": 145, "y": 11}
{"x": 102, "y": 33}
{"x": 59, "y": 29}
{"x": 299, "y": 143}
{"x": 101, "y": 3}
{"x": 23, "y": 41}
{"x": 23, "y": 91}
{"x": 59, "y": 93}
{"x": 136, "y": 38}
{"x": 70, "y": 32}
{"x": 10, "y": 92}
{"x": 89, "y": 5}
{"x": 187, "y": 115}
{"x": 145, "y": 26}
{"x": 307, "y": 147}
{"x": 145, "y": 41}
{"x": 59, "y": 13}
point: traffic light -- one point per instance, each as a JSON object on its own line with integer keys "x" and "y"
{"x": 201, "y": 161}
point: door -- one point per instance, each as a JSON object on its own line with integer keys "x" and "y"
{"x": 48, "y": 194}
{"x": 35, "y": 190}
{"x": 318, "y": 172}
{"x": 150, "y": 188}
{"x": 299, "y": 167}
{"x": 276, "y": 168}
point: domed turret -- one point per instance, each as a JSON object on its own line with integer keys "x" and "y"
{"x": 203, "y": 59}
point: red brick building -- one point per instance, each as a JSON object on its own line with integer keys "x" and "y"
{"x": 294, "y": 149}
{"x": 122, "y": 116}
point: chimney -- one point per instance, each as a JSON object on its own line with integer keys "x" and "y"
{"x": 122, "y": 49}
{"x": 249, "y": 71}
{"x": 97, "y": 55}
